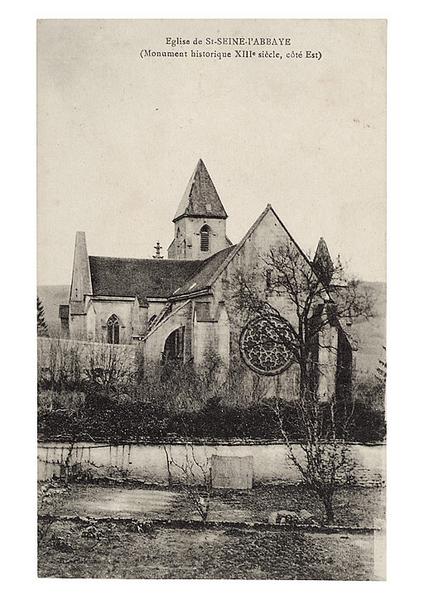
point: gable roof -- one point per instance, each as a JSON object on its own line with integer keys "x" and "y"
{"x": 152, "y": 278}
{"x": 139, "y": 277}
{"x": 209, "y": 273}
{"x": 200, "y": 198}
{"x": 203, "y": 275}
{"x": 238, "y": 246}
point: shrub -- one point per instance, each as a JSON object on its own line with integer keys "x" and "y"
{"x": 107, "y": 417}
{"x": 178, "y": 402}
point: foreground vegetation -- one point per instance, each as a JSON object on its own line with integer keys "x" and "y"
{"x": 179, "y": 403}
{"x": 117, "y": 551}
{"x": 100, "y": 398}
{"x": 129, "y": 549}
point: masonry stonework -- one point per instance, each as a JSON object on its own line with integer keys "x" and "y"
{"x": 183, "y": 308}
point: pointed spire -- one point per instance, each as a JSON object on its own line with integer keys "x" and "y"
{"x": 200, "y": 198}
{"x": 81, "y": 278}
{"x": 322, "y": 262}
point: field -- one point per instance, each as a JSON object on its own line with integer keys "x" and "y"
{"x": 118, "y": 552}
{"x": 118, "y": 548}
{"x": 354, "y": 506}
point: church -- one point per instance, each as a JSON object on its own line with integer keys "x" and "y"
{"x": 181, "y": 309}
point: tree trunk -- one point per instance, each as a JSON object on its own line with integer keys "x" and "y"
{"x": 329, "y": 511}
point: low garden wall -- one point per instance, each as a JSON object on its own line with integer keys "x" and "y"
{"x": 160, "y": 463}
{"x": 66, "y": 354}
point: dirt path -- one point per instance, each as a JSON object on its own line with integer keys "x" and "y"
{"x": 95, "y": 501}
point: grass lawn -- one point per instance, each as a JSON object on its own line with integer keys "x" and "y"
{"x": 115, "y": 550}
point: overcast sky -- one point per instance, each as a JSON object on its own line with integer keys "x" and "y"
{"x": 119, "y": 137}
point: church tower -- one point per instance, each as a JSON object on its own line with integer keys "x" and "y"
{"x": 200, "y": 220}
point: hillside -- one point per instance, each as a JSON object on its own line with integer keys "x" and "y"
{"x": 370, "y": 335}
{"x": 51, "y": 296}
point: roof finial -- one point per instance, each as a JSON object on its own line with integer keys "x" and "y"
{"x": 158, "y": 248}
{"x": 323, "y": 263}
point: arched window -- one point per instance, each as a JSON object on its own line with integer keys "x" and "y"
{"x": 174, "y": 346}
{"x": 113, "y": 330}
{"x": 204, "y": 238}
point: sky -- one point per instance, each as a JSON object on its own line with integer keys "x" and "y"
{"x": 119, "y": 136}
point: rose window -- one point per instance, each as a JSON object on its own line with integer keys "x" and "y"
{"x": 266, "y": 344}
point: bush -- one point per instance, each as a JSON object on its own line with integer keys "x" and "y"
{"x": 179, "y": 402}
{"x": 369, "y": 419}
{"x": 109, "y": 418}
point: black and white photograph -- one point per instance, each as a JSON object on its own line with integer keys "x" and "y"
{"x": 211, "y": 299}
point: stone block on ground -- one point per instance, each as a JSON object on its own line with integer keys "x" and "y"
{"x": 232, "y": 472}
{"x": 284, "y": 517}
{"x": 287, "y": 517}
{"x": 306, "y": 517}
{"x": 273, "y": 518}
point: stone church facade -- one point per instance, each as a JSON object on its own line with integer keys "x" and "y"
{"x": 182, "y": 308}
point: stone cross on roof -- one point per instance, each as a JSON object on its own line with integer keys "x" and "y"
{"x": 157, "y": 248}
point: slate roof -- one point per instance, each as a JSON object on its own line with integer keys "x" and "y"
{"x": 213, "y": 266}
{"x": 203, "y": 276}
{"x": 170, "y": 279}
{"x": 200, "y": 198}
{"x": 141, "y": 277}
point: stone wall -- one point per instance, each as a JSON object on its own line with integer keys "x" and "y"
{"x": 204, "y": 341}
{"x": 268, "y": 234}
{"x": 132, "y": 319}
{"x": 152, "y": 463}
{"x": 154, "y": 342}
{"x": 54, "y": 353}
{"x": 187, "y": 230}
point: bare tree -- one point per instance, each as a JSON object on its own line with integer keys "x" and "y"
{"x": 107, "y": 365}
{"x": 60, "y": 364}
{"x": 314, "y": 305}
{"x": 324, "y": 461}
{"x": 195, "y": 478}
{"x": 68, "y": 363}
{"x": 382, "y": 369}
